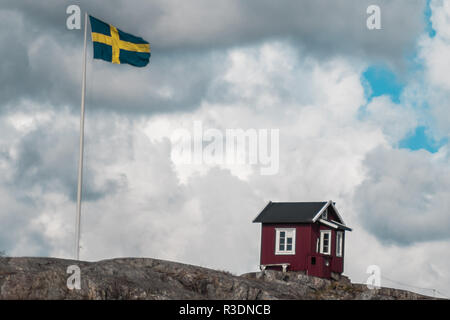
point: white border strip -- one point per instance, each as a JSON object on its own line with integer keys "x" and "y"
{"x": 328, "y": 223}
{"x": 321, "y": 211}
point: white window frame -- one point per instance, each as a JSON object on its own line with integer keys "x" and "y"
{"x": 339, "y": 243}
{"x": 291, "y": 232}
{"x": 322, "y": 234}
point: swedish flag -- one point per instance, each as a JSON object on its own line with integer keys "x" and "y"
{"x": 116, "y": 46}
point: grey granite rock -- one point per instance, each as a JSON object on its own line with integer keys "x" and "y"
{"x": 145, "y": 278}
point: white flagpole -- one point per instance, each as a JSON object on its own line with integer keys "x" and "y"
{"x": 80, "y": 160}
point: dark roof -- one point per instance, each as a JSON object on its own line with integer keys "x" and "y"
{"x": 289, "y": 212}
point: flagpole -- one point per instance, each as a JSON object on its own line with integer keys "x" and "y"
{"x": 80, "y": 160}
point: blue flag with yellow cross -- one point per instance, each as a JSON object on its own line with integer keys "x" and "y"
{"x": 114, "y": 45}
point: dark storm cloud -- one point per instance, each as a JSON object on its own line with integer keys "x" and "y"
{"x": 339, "y": 26}
{"x": 32, "y": 68}
{"x": 404, "y": 198}
{"x": 173, "y": 82}
{"x": 47, "y": 160}
{"x": 43, "y": 59}
{"x": 16, "y": 227}
{"x": 43, "y": 64}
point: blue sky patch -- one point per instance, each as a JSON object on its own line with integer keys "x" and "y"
{"x": 429, "y": 27}
{"x": 382, "y": 81}
{"x": 421, "y": 140}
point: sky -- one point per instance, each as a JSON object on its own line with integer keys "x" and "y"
{"x": 362, "y": 117}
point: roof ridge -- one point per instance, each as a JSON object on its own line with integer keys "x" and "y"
{"x": 298, "y": 201}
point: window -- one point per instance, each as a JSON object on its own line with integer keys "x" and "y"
{"x": 325, "y": 214}
{"x": 285, "y": 241}
{"x": 325, "y": 239}
{"x": 339, "y": 242}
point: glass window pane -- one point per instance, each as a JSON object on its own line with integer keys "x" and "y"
{"x": 285, "y": 240}
{"x": 326, "y": 242}
{"x": 339, "y": 244}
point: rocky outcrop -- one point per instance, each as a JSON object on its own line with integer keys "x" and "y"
{"x": 142, "y": 278}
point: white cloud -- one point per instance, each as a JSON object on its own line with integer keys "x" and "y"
{"x": 141, "y": 204}
{"x": 155, "y": 215}
{"x": 395, "y": 120}
{"x": 434, "y": 52}
{"x": 440, "y": 18}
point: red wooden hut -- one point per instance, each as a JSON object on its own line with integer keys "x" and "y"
{"x": 302, "y": 236}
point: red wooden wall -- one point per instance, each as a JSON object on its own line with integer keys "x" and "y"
{"x": 302, "y": 245}
{"x": 305, "y": 249}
